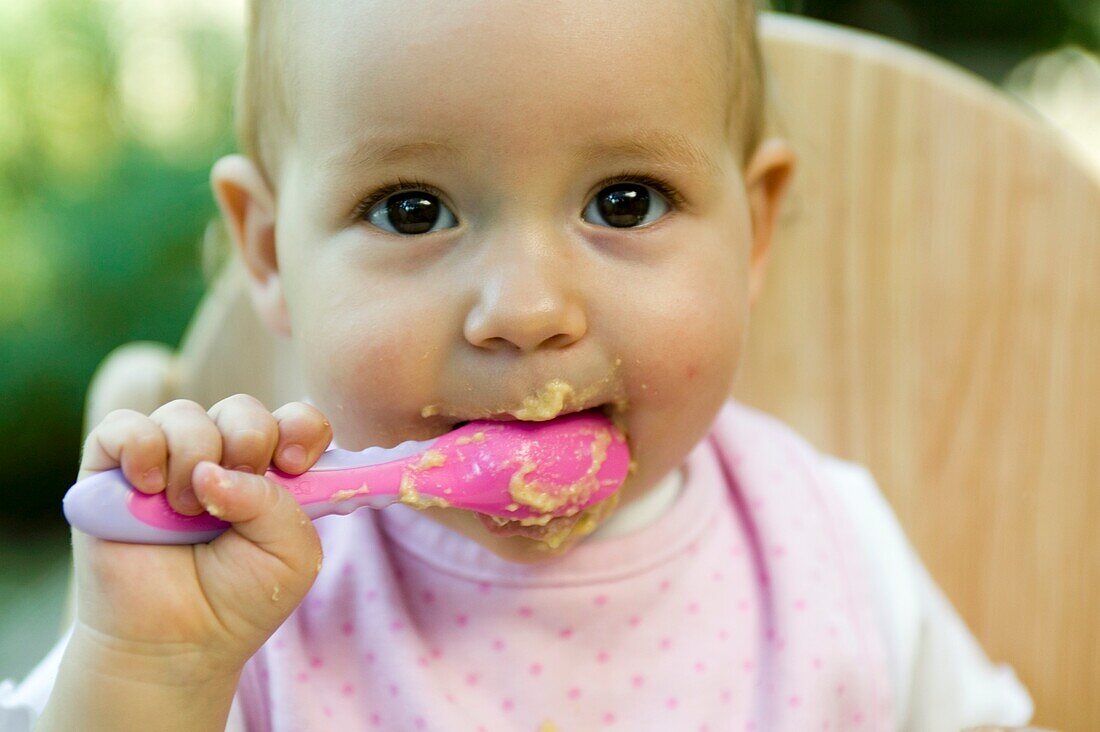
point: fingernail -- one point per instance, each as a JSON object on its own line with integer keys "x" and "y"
{"x": 244, "y": 469}
{"x": 294, "y": 455}
{"x": 153, "y": 478}
{"x": 220, "y": 475}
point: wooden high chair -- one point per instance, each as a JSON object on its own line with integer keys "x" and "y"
{"x": 931, "y": 312}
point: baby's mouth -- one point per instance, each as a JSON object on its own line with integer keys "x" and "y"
{"x": 554, "y": 532}
{"x": 554, "y": 400}
{"x": 612, "y": 410}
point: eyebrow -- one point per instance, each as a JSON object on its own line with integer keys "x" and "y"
{"x": 381, "y": 150}
{"x": 670, "y": 150}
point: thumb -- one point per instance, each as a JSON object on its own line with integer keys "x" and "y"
{"x": 261, "y": 511}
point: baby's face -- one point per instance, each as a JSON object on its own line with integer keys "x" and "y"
{"x": 566, "y": 206}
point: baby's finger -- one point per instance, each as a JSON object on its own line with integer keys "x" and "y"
{"x": 192, "y": 436}
{"x": 129, "y": 440}
{"x": 304, "y": 433}
{"x": 263, "y": 512}
{"x": 249, "y": 433}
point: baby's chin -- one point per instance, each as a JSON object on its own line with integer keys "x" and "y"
{"x": 526, "y": 544}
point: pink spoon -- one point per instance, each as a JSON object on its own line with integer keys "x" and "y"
{"x": 527, "y": 471}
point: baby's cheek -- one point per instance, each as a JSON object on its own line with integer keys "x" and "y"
{"x": 698, "y": 349}
{"x": 379, "y": 370}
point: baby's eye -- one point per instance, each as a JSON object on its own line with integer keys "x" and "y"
{"x": 627, "y": 204}
{"x": 411, "y": 213}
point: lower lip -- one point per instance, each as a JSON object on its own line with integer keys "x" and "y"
{"x": 509, "y": 418}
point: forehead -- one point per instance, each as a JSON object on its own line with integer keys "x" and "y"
{"x": 574, "y": 75}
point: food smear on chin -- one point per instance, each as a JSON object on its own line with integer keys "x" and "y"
{"x": 574, "y": 528}
{"x": 576, "y": 521}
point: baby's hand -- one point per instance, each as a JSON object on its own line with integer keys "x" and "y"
{"x": 205, "y": 609}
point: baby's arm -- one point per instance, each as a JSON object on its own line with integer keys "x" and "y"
{"x": 162, "y": 632}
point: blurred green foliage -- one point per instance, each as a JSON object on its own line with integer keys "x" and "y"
{"x": 101, "y": 215}
{"x": 111, "y": 113}
{"x": 987, "y": 36}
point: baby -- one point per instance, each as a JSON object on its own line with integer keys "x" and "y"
{"x": 508, "y": 210}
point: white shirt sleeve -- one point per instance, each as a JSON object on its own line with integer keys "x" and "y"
{"x": 21, "y": 705}
{"x": 942, "y": 678}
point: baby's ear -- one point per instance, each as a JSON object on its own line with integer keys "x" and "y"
{"x": 248, "y": 207}
{"x": 767, "y": 177}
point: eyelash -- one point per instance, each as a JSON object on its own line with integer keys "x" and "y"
{"x": 401, "y": 185}
{"x": 658, "y": 184}
{"x": 398, "y": 186}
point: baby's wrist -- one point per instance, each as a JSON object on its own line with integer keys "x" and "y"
{"x": 179, "y": 665}
{"x": 102, "y": 685}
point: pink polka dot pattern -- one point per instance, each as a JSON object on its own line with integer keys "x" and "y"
{"x": 741, "y": 608}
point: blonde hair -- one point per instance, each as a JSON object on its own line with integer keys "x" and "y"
{"x": 745, "y": 91}
{"x": 264, "y": 115}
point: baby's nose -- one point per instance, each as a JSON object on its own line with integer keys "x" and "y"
{"x": 527, "y": 300}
